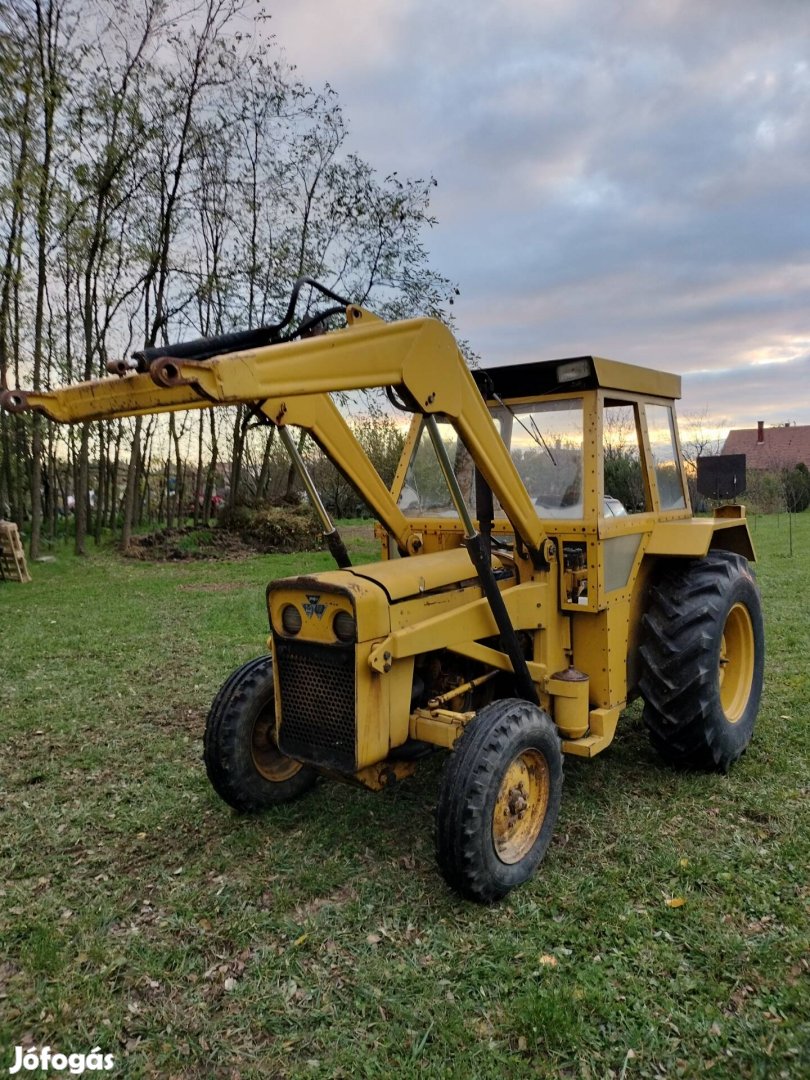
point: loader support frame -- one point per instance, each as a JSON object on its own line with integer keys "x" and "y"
{"x": 478, "y": 550}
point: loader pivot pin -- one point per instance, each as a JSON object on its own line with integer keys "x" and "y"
{"x": 14, "y": 401}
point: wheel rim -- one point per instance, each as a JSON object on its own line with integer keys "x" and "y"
{"x": 736, "y": 670}
{"x": 268, "y": 759}
{"x": 521, "y": 805}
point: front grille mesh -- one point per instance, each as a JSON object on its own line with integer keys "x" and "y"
{"x": 317, "y": 687}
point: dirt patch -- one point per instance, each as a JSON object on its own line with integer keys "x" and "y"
{"x": 188, "y": 542}
{"x": 191, "y": 542}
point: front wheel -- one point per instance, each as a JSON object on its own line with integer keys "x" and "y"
{"x": 499, "y": 799}
{"x": 703, "y": 659}
{"x": 243, "y": 762}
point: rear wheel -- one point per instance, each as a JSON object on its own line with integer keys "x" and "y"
{"x": 703, "y": 660}
{"x": 499, "y": 800}
{"x": 244, "y": 765}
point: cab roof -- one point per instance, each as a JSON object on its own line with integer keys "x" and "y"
{"x": 575, "y": 373}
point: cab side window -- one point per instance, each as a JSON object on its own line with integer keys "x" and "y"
{"x": 624, "y": 488}
{"x": 661, "y": 430}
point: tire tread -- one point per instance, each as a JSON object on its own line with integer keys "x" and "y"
{"x": 687, "y": 612}
{"x": 461, "y": 814}
{"x": 224, "y": 750}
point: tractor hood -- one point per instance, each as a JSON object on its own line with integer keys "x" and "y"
{"x": 418, "y": 574}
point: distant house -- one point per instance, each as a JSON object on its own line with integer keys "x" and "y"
{"x": 771, "y": 447}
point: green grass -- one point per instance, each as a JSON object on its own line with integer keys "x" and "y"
{"x": 139, "y": 914}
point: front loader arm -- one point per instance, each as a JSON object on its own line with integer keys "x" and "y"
{"x": 103, "y": 399}
{"x": 418, "y": 356}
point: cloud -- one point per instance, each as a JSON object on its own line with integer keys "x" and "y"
{"x": 743, "y": 395}
{"x": 625, "y": 179}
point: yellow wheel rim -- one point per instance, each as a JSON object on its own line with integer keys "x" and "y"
{"x": 268, "y": 759}
{"x": 736, "y": 672}
{"x": 520, "y": 808}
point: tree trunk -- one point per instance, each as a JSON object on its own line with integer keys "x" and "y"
{"x": 112, "y": 513}
{"x": 8, "y": 307}
{"x": 198, "y": 472}
{"x": 164, "y": 490}
{"x": 210, "y": 479}
{"x": 53, "y": 473}
{"x": 144, "y": 510}
{"x": 81, "y": 492}
{"x": 264, "y": 473}
{"x": 236, "y": 460}
{"x": 103, "y": 479}
{"x": 292, "y": 475}
{"x": 131, "y": 488}
{"x": 47, "y": 36}
{"x": 179, "y": 479}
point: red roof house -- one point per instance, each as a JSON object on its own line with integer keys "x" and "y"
{"x": 771, "y": 447}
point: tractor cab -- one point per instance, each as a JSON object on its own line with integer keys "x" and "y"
{"x": 591, "y": 439}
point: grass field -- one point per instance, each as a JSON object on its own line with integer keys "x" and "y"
{"x": 140, "y": 915}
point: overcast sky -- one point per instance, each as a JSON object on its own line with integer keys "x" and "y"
{"x": 629, "y": 178}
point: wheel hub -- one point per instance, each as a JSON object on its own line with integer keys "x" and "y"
{"x": 517, "y": 802}
{"x": 520, "y": 807}
{"x": 268, "y": 759}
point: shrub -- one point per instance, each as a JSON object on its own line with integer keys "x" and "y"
{"x": 770, "y": 492}
{"x": 274, "y": 529}
{"x": 796, "y": 483}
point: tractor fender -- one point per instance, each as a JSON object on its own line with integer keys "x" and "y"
{"x": 695, "y": 537}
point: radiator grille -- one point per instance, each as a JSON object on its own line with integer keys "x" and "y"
{"x": 317, "y": 687}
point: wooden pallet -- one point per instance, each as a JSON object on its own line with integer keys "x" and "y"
{"x": 13, "y": 566}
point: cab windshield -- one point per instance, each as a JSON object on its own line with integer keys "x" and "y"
{"x": 545, "y": 441}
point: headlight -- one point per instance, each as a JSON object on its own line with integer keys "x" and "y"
{"x": 345, "y": 626}
{"x": 291, "y": 619}
{"x": 573, "y": 370}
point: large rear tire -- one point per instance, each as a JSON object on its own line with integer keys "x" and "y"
{"x": 243, "y": 763}
{"x": 703, "y": 659}
{"x": 499, "y": 799}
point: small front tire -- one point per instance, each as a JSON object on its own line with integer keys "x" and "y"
{"x": 499, "y": 799}
{"x": 242, "y": 760}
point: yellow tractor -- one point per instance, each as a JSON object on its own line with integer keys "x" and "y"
{"x": 540, "y": 567}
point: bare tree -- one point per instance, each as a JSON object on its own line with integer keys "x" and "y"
{"x": 699, "y": 438}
